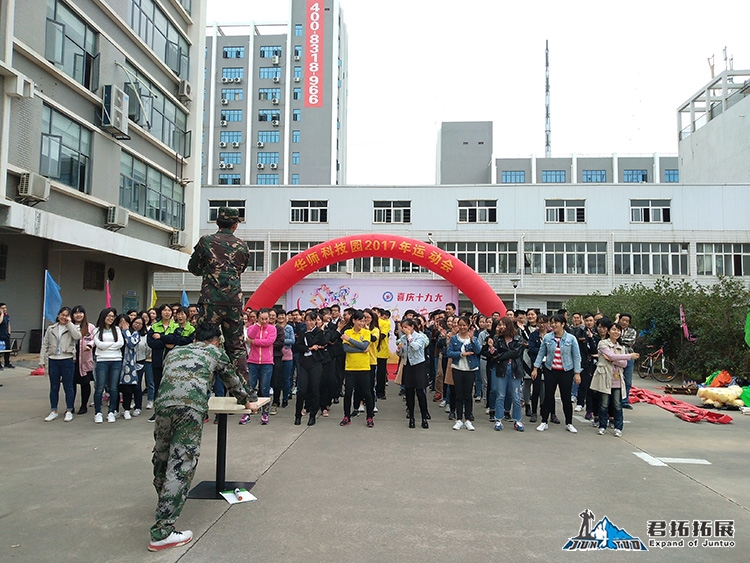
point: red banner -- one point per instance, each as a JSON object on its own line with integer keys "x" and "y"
{"x": 315, "y": 54}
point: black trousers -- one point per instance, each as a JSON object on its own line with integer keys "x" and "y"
{"x": 358, "y": 382}
{"x": 463, "y": 385}
{"x": 308, "y": 386}
{"x": 553, "y": 379}
{"x": 381, "y": 377}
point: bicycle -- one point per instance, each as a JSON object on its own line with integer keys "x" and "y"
{"x": 657, "y": 366}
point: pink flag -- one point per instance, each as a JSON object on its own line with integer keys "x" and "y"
{"x": 109, "y": 296}
{"x": 684, "y": 326}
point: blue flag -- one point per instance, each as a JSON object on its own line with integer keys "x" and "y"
{"x": 185, "y": 302}
{"x": 53, "y": 300}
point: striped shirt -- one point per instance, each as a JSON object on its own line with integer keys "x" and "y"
{"x": 557, "y": 363}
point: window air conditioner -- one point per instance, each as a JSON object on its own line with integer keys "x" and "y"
{"x": 225, "y": 80}
{"x": 261, "y": 166}
{"x": 222, "y": 145}
{"x": 296, "y": 57}
{"x": 275, "y": 101}
{"x": 235, "y": 145}
{"x": 224, "y": 101}
{"x": 230, "y": 166}
{"x": 223, "y": 123}
{"x": 237, "y": 79}
{"x": 276, "y": 60}
{"x": 275, "y": 123}
{"x": 117, "y": 217}
{"x": 274, "y": 166}
{"x": 222, "y": 165}
{"x": 34, "y": 187}
{"x": 178, "y": 240}
{"x": 260, "y": 144}
{"x": 185, "y": 91}
{"x": 276, "y": 79}
{"x": 115, "y": 111}
{"x": 297, "y": 79}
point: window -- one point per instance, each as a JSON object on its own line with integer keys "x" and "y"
{"x": 671, "y": 176}
{"x": 594, "y": 176}
{"x": 634, "y": 176}
{"x": 295, "y": 179}
{"x": 257, "y": 255}
{"x": 233, "y": 52}
{"x": 295, "y": 136}
{"x": 230, "y": 179}
{"x": 723, "y": 259}
{"x": 232, "y": 94}
{"x": 269, "y": 136}
{"x": 66, "y": 150}
{"x": 233, "y": 72}
{"x": 565, "y": 257}
{"x": 298, "y": 30}
{"x": 150, "y": 193}
{"x": 268, "y": 158}
{"x": 565, "y": 210}
{"x": 283, "y": 251}
{"x": 230, "y": 157}
{"x": 651, "y": 258}
{"x": 297, "y": 72}
{"x": 485, "y": 257}
{"x": 268, "y": 179}
{"x": 295, "y": 158}
{"x": 269, "y": 115}
{"x": 154, "y": 27}
{"x": 296, "y": 115}
{"x": 477, "y": 211}
{"x": 298, "y": 50}
{"x": 513, "y": 177}
{"x": 268, "y": 51}
{"x": 377, "y": 264}
{"x": 93, "y": 275}
{"x": 230, "y": 136}
{"x": 269, "y": 72}
{"x": 309, "y": 211}
{"x": 72, "y": 46}
{"x": 215, "y": 204}
{"x": 231, "y": 115}
{"x": 391, "y": 212}
{"x": 297, "y": 94}
{"x": 553, "y": 176}
{"x": 269, "y": 93}
{"x": 3, "y": 261}
{"x": 650, "y": 211}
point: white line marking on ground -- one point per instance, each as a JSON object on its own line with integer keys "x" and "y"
{"x": 656, "y": 462}
{"x": 684, "y": 460}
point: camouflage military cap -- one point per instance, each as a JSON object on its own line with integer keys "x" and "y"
{"x": 228, "y": 214}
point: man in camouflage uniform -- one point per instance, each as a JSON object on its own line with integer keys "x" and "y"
{"x": 181, "y": 407}
{"x": 220, "y": 259}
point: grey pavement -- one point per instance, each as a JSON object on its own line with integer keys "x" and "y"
{"x": 82, "y": 492}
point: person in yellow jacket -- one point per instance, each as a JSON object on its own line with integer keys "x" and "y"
{"x": 356, "y": 342}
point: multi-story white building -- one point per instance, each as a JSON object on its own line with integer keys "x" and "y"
{"x": 99, "y": 148}
{"x": 276, "y": 100}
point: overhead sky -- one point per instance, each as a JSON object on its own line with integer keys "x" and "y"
{"x": 618, "y": 72}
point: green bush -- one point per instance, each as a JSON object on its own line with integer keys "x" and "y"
{"x": 715, "y": 315}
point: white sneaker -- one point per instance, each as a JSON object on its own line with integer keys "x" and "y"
{"x": 618, "y": 433}
{"x": 150, "y": 405}
{"x": 68, "y": 416}
{"x": 361, "y": 408}
{"x": 573, "y": 399}
{"x": 98, "y": 418}
{"x": 601, "y": 431}
{"x": 111, "y": 417}
{"x": 137, "y": 412}
{"x": 132, "y": 404}
{"x": 447, "y": 408}
{"x": 570, "y": 428}
{"x": 468, "y": 425}
{"x": 578, "y": 408}
{"x": 126, "y": 415}
{"x": 374, "y": 409}
{"x": 442, "y": 403}
{"x": 458, "y": 426}
{"x": 175, "y": 539}
{"x": 542, "y": 427}
{"x": 51, "y": 416}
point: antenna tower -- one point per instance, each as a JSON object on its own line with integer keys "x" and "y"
{"x": 547, "y": 126}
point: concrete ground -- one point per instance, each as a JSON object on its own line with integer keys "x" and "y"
{"x": 82, "y": 492}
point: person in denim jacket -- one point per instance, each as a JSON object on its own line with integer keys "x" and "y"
{"x": 561, "y": 356}
{"x": 464, "y": 349}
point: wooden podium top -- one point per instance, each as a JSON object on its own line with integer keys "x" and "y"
{"x": 228, "y": 405}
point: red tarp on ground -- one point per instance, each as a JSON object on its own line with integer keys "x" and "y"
{"x": 681, "y": 409}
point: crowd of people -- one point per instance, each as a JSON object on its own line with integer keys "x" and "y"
{"x": 513, "y": 365}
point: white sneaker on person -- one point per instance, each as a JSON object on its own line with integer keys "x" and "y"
{"x": 175, "y": 539}
{"x": 542, "y": 427}
{"x": 98, "y": 418}
{"x": 137, "y": 412}
{"x": 601, "y": 431}
{"x": 68, "y": 416}
{"x": 150, "y": 405}
{"x": 458, "y": 426}
{"x": 132, "y": 404}
{"x": 570, "y": 428}
{"x": 442, "y": 403}
{"x": 578, "y": 408}
{"x": 374, "y": 409}
{"x": 618, "y": 433}
{"x": 51, "y": 416}
{"x": 447, "y": 408}
{"x": 126, "y": 415}
{"x": 468, "y": 425}
{"x": 111, "y": 417}
{"x": 361, "y": 408}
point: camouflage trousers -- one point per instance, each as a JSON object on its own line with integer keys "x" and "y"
{"x": 232, "y": 327}
{"x": 177, "y": 437}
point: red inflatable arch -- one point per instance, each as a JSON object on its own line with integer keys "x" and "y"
{"x": 386, "y": 246}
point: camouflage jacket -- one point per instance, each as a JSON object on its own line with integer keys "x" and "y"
{"x": 220, "y": 259}
{"x": 189, "y": 375}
